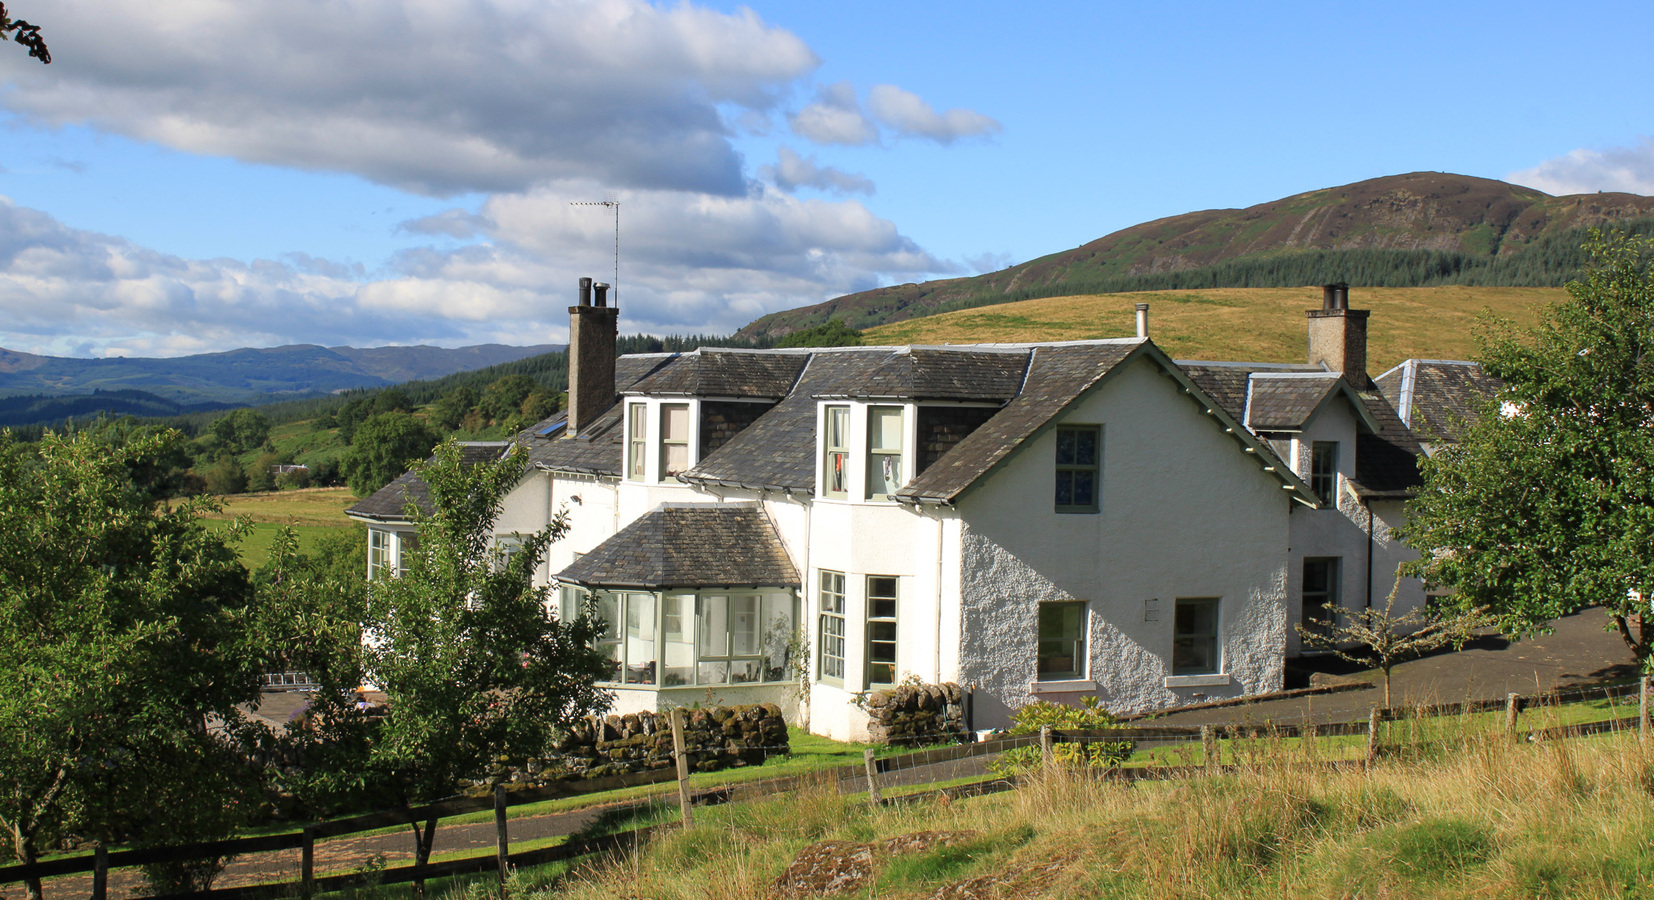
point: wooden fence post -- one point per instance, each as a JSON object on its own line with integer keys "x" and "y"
{"x": 872, "y": 777}
{"x": 1047, "y": 752}
{"x": 1372, "y": 734}
{"x": 681, "y": 753}
{"x": 1510, "y": 714}
{"x": 1208, "y": 748}
{"x": 502, "y": 837}
{"x": 307, "y": 863}
{"x": 100, "y": 872}
{"x": 1642, "y": 710}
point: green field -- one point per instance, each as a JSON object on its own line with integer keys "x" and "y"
{"x": 1251, "y": 324}
{"x": 312, "y": 513}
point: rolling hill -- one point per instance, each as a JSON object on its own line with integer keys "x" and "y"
{"x": 1424, "y": 228}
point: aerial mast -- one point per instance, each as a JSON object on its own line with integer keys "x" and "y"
{"x": 610, "y": 199}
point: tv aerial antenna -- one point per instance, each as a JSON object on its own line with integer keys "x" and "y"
{"x": 611, "y": 199}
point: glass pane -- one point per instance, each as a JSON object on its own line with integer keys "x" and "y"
{"x": 745, "y": 671}
{"x": 1085, "y": 446}
{"x": 832, "y": 646}
{"x": 1065, "y": 488}
{"x": 713, "y": 672}
{"x": 714, "y": 625}
{"x": 832, "y": 592}
{"x": 1065, "y": 447}
{"x": 778, "y": 634}
{"x": 675, "y": 459}
{"x": 1196, "y": 617}
{"x": 611, "y": 652}
{"x": 674, "y": 423}
{"x": 635, "y": 461}
{"x": 608, "y": 610}
{"x": 743, "y": 625}
{"x": 884, "y": 474}
{"x": 678, "y": 640}
{"x": 838, "y": 472}
{"x": 1085, "y": 488}
{"x": 635, "y": 415}
{"x": 838, "y": 427}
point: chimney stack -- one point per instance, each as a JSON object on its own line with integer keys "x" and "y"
{"x": 1338, "y": 335}
{"x": 1142, "y": 320}
{"x": 592, "y": 334}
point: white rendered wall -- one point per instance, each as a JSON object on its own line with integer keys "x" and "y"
{"x": 1184, "y": 513}
{"x": 592, "y": 518}
{"x": 1342, "y": 531}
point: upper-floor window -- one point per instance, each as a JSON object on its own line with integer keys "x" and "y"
{"x": 884, "y": 452}
{"x": 835, "y": 454}
{"x": 1079, "y": 466}
{"x": 637, "y": 442}
{"x": 381, "y": 553}
{"x": 674, "y": 439}
{"x": 505, "y": 547}
{"x": 1323, "y": 470}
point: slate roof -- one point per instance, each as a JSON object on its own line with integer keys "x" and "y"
{"x": 685, "y": 545}
{"x": 1386, "y": 460}
{"x": 934, "y": 373}
{"x": 777, "y": 452}
{"x": 390, "y": 503}
{"x": 1057, "y": 374}
{"x": 595, "y": 451}
{"x": 725, "y": 373}
{"x": 1436, "y": 398}
{"x": 1285, "y": 402}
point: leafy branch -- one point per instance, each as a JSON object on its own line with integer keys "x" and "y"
{"x": 25, "y": 34}
{"x": 1377, "y": 637}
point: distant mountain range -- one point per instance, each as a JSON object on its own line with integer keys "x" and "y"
{"x": 1398, "y": 231}
{"x": 36, "y": 389}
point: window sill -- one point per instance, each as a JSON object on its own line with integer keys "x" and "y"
{"x": 1183, "y": 681}
{"x": 1071, "y": 686}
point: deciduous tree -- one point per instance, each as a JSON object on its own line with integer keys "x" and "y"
{"x": 1547, "y": 506}
{"x": 124, "y": 650}
{"x": 384, "y": 446}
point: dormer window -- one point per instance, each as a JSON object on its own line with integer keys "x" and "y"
{"x": 835, "y": 461}
{"x": 637, "y": 441}
{"x": 674, "y": 439}
{"x": 1323, "y": 470}
{"x": 884, "y": 452}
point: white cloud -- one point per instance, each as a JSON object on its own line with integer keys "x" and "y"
{"x": 835, "y": 117}
{"x": 1629, "y": 169}
{"x": 792, "y": 172}
{"x": 435, "y": 97}
{"x": 690, "y": 262}
{"x": 910, "y": 116}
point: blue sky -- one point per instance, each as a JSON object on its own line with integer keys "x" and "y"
{"x": 235, "y": 173}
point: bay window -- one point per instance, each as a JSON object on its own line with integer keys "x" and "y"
{"x": 686, "y": 639}
{"x": 831, "y": 626}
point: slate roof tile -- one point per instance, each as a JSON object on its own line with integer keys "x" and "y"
{"x": 726, "y": 373}
{"x": 1285, "y": 402}
{"x": 1057, "y": 374}
{"x": 932, "y": 373}
{"x": 689, "y": 545}
{"x": 1437, "y": 398}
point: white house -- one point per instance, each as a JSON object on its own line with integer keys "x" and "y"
{"x": 1059, "y": 520}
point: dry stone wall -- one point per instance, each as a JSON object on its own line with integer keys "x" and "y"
{"x": 915, "y": 714}
{"x": 721, "y": 737}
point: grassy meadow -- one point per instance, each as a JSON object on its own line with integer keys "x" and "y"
{"x": 1471, "y": 815}
{"x": 312, "y": 513}
{"x": 1250, "y": 324}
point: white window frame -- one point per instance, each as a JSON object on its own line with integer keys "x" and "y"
{"x": 637, "y": 441}
{"x": 381, "y": 553}
{"x": 686, "y": 442}
{"x": 878, "y": 637}
{"x": 830, "y": 630}
{"x": 877, "y": 456}
{"x": 839, "y": 452}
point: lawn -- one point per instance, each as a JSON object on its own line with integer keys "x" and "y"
{"x": 312, "y": 513}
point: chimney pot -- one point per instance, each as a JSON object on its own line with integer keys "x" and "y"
{"x": 585, "y": 292}
{"x": 1329, "y": 296}
{"x": 601, "y": 294}
{"x": 1142, "y": 320}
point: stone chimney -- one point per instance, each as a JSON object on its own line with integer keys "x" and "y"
{"x": 592, "y": 334}
{"x": 1338, "y": 336}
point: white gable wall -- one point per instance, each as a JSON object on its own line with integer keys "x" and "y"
{"x": 1184, "y": 513}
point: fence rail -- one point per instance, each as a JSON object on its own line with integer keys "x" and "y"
{"x": 873, "y": 770}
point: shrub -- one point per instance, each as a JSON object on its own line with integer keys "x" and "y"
{"x": 1089, "y": 714}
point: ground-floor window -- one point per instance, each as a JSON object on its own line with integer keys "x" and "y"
{"x": 1195, "y": 636}
{"x": 1061, "y": 650}
{"x": 1320, "y": 594}
{"x": 684, "y": 639}
{"x": 831, "y": 626}
{"x": 881, "y": 629}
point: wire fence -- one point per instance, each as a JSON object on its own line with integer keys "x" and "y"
{"x": 340, "y": 853}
